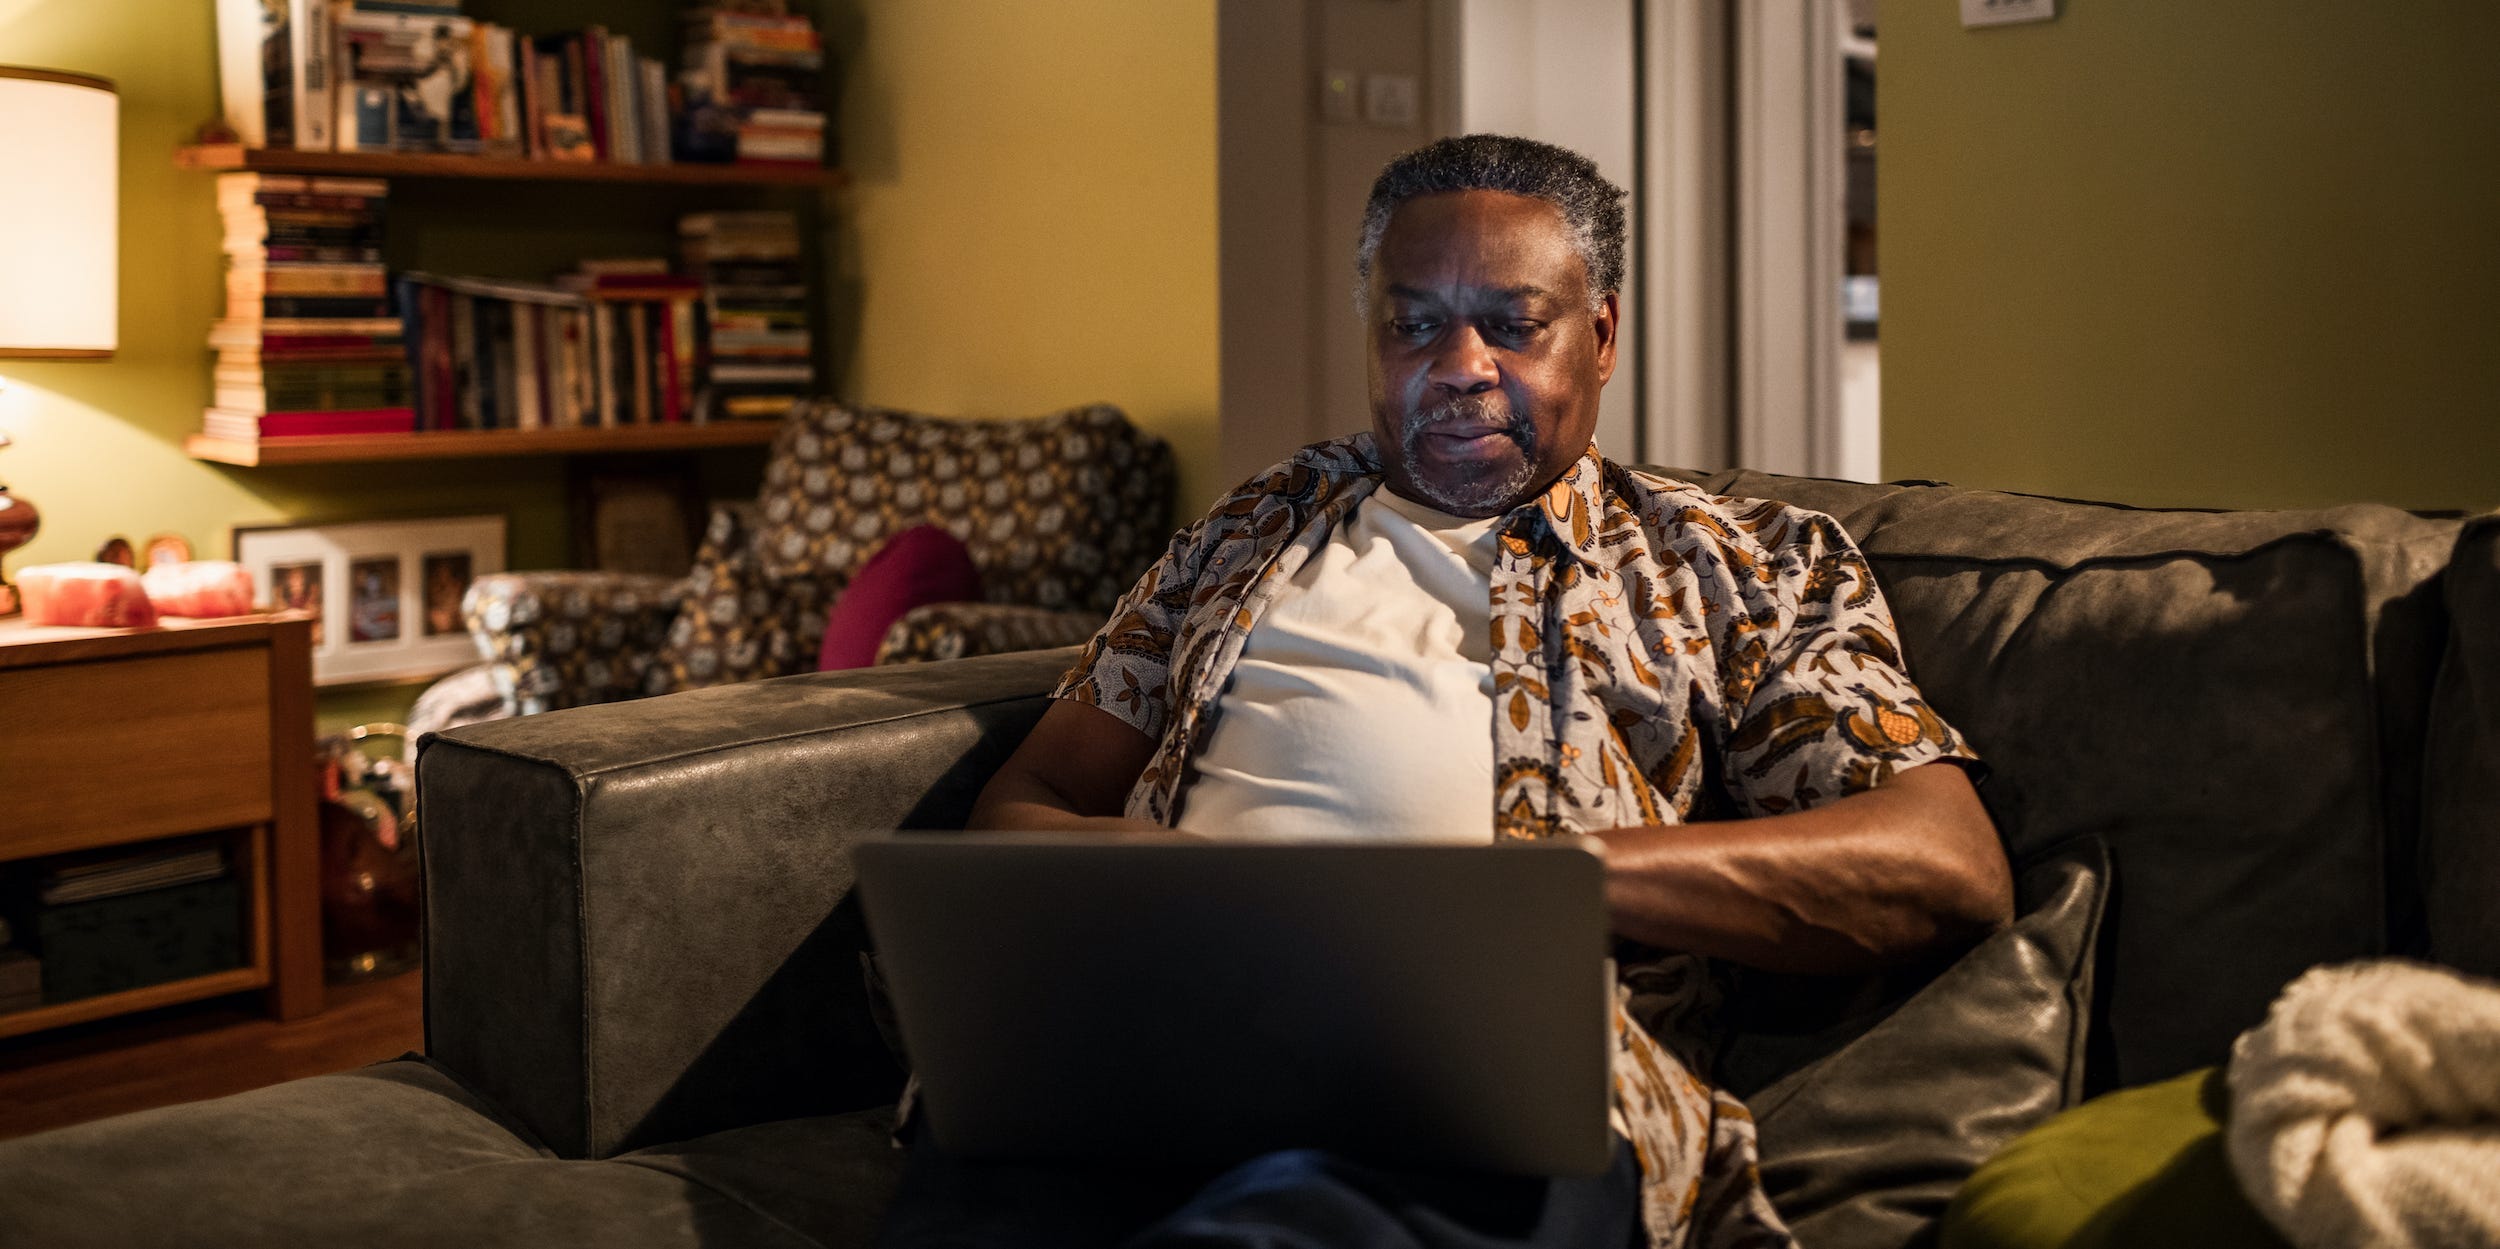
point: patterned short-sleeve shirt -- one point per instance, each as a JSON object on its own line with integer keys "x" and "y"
{"x": 1659, "y": 654}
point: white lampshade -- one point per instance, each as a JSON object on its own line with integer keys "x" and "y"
{"x": 60, "y": 210}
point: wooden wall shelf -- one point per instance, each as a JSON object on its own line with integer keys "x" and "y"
{"x": 230, "y": 156}
{"x": 472, "y": 444}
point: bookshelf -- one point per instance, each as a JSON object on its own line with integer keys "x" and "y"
{"x": 228, "y": 157}
{"x": 477, "y": 443}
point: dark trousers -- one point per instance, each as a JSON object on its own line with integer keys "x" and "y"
{"x": 1297, "y": 1199}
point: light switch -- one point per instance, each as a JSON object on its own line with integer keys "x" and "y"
{"x": 2004, "y": 12}
{"x": 1389, "y": 99}
{"x": 1336, "y": 96}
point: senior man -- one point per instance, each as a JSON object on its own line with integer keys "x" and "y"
{"x": 1466, "y": 624}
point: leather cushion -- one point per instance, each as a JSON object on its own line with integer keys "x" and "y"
{"x": 400, "y": 1154}
{"x": 2227, "y": 697}
{"x": 919, "y": 566}
{"x": 1871, "y": 1120}
{"x": 2461, "y": 809}
{"x": 2138, "y": 1169}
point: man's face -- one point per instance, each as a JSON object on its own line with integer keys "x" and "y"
{"x": 1486, "y": 357}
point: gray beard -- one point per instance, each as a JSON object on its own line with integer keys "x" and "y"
{"x": 1481, "y": 497}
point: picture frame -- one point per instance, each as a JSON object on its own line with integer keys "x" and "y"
{"x": 384, "y": 594}
{"x": 632, "y": 516}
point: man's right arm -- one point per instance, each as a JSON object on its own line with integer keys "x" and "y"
{"x": 1072, "y": 774}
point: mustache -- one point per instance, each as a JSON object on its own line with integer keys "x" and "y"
{"x": 1477, "y": 411}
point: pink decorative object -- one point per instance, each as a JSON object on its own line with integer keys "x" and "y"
{"x": 208, "y": 587}
{"x": 106, "y": 596}
{"x": 921, "y": 565}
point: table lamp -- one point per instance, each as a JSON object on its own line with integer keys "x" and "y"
{"x": 60, "y": 146}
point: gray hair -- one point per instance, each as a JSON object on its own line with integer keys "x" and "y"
{"x": 1591, "y": 207}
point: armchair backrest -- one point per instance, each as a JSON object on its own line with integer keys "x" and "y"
{"x": 1063, "y": 511}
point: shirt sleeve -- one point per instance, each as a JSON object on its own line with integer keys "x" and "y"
{"x": 1126, "y": 668}
{"x": 1823, "y": 706}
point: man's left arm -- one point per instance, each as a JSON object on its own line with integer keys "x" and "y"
{"x": 1908, "y": 867}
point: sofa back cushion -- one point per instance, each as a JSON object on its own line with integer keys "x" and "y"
{"x": 1063, "y": 511}
{"x": 2460, "y": 865}
{"x": 2229, "y": 699}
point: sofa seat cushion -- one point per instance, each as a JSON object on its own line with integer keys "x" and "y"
{"x": 2142, "y": 1168}
{"x": 399, "y": 1154}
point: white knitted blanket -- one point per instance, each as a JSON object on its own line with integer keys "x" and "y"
{"x": 2365, "y": 1111}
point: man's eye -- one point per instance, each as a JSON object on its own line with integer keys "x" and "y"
{"x": 1520, "y": 329}
{"x": 1413, "y": 328}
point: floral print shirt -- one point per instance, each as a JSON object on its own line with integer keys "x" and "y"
{"x": 1659, "y": 655}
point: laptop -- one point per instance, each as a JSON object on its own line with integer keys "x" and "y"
{"x": 1148, "y": 1003}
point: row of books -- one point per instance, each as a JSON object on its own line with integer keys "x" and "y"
{"x": 599, "y": 350}
{"x": 311, "y": 340}
{"x": 417, "y": 75}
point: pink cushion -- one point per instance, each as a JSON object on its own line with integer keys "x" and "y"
{"x": 919, "y": 566}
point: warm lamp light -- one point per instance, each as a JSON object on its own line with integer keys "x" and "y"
{"x": 60, "y": 218}
{"x": 60, "y": 144}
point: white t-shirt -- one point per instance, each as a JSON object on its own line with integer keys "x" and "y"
{"x": 1362, "y": 704}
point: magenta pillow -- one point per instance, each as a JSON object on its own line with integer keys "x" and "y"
{"x": 921, "y": 565}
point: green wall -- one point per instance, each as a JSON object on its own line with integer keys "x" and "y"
{"x": 2220, "y": 252}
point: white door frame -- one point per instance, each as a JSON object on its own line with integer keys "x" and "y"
{"x": 1742, "y": 214}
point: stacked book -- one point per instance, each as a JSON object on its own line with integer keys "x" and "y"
{"x": 753, "y": 82}
{"x": 310, "y": 343}
{"x": 759, "y": 356}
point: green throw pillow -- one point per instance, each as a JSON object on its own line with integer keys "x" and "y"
{"x": 2140, "y": 1168}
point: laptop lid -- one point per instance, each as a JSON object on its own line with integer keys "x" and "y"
{"x": 1107, "y": 999}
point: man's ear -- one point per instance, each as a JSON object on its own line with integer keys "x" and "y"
{"x": 1605, "y": 321}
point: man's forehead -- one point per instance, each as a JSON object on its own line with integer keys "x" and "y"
{"x": 1490, "y": 242}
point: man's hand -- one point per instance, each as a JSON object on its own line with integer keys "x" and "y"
{"x": 1072, "y": 774}
{"x": 1909, "y": 867}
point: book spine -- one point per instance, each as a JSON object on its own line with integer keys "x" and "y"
{"x": 526, "y": 368}
{"x": 603, "y": 361}
{"x": 239, "y": 70}
{"x": 464, "y": 361}
{"x": 594, "y": 92}
{"x": 313, "y": 85}
{"x": 638, "y": 378}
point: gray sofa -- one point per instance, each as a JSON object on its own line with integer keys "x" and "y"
{"x": 2226, "y": 746}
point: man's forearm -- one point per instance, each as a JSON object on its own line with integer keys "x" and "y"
{"x": 1909, "y": 867}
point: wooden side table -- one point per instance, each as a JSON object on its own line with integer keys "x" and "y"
{"x": 112, "y": 737}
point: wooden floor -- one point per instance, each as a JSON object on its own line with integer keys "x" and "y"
{"x": 205, "y": 1049}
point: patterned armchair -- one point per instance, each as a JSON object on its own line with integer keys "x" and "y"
{"x": 1060, "y": 514}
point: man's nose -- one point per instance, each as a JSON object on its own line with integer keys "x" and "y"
{"x": 1465, "y": 362}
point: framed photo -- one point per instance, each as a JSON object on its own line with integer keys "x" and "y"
{"x": 633, "y": 517}
{"x": 384, "y": 595}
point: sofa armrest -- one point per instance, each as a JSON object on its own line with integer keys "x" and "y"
{"x": 639, "y": 924}
{"x": 566, "y": 639}
{"x": 938, "y": 631}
